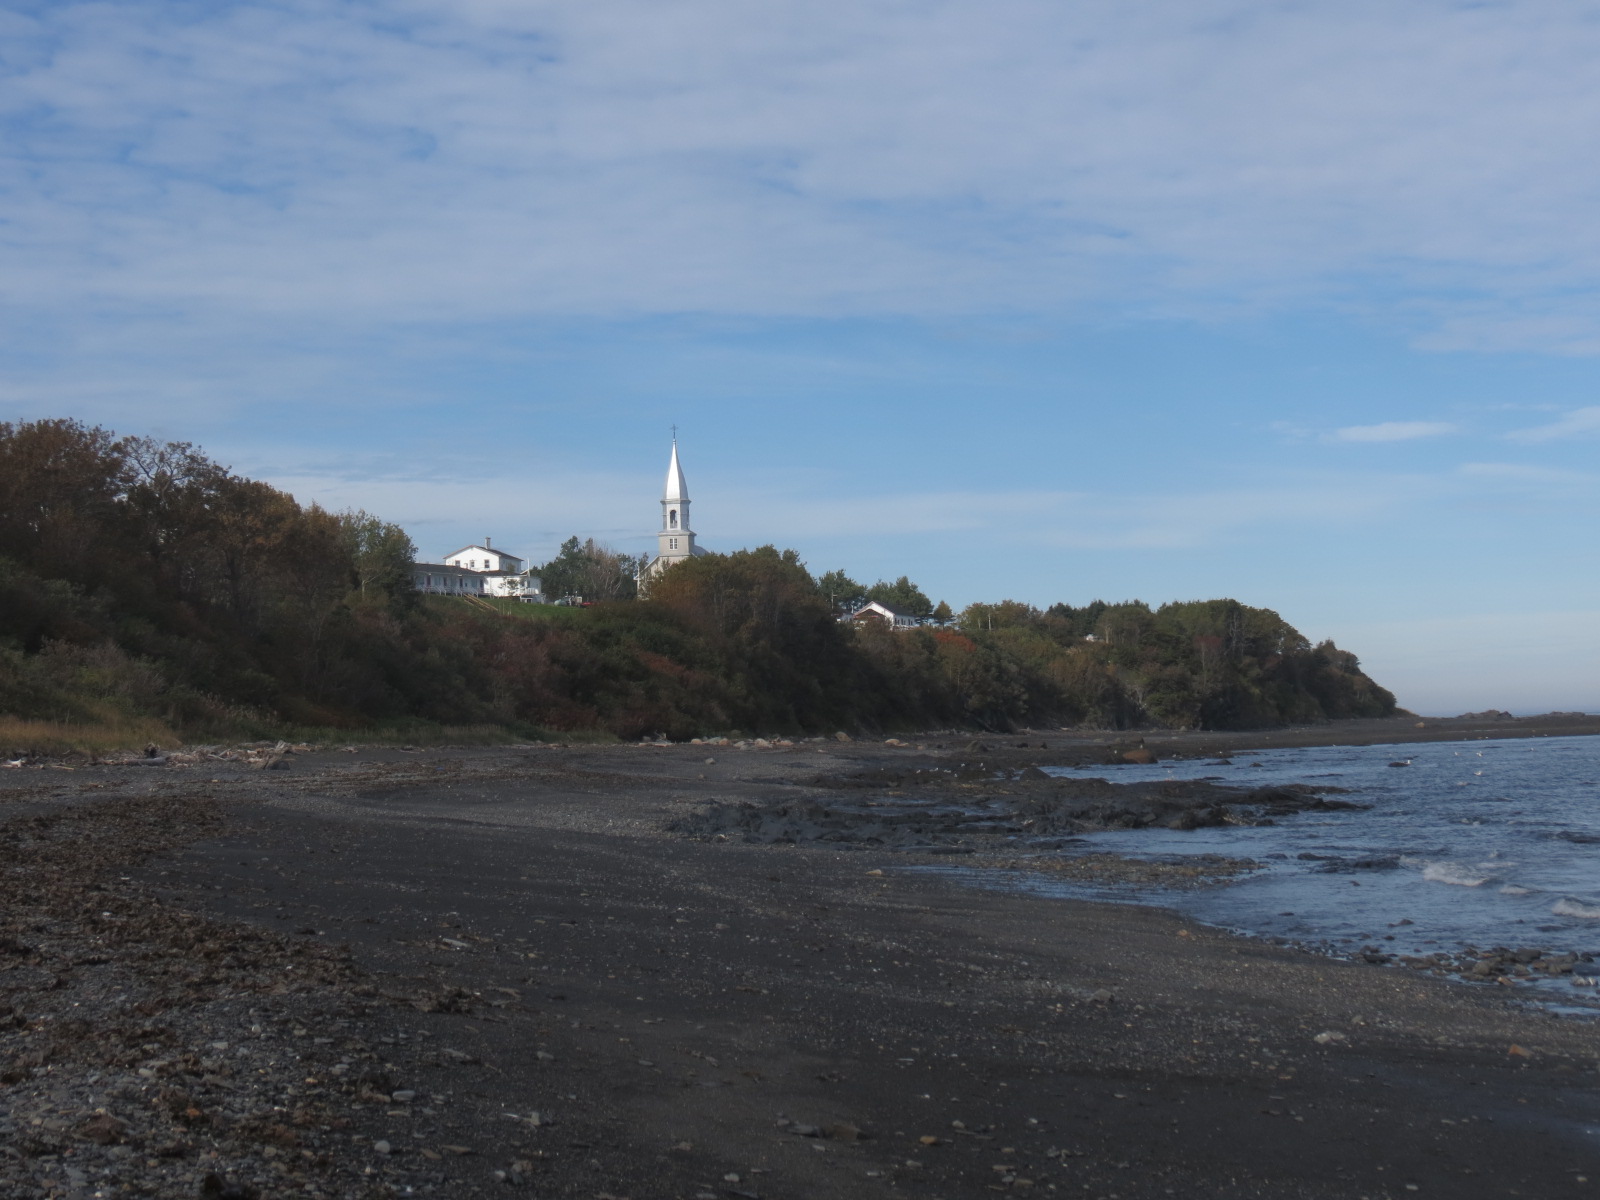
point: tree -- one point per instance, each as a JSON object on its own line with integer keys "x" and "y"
{"x": 1007, "y": 614}
{"x": 901, "y": 594}
{"x": 942, "y": 613}
{"x": 842, "y": 593}
{"x": 381, "y": 553}
{"x": 591, "y": 570}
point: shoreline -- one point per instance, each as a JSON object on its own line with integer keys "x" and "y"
{"x": 499, "y": 960}
{"x": 1396, "y": 730}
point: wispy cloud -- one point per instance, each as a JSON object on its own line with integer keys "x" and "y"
{"x": 361, "y": 163}
{"x": 1527, "y": 473}
{"x": 1580, "y": 422}
{"x": 448, "y": 506}
{"x": 1393, "y": 431}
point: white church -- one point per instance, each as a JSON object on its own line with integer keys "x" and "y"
{"x": 676, "y": 541}
{"x": 481, "y": 570}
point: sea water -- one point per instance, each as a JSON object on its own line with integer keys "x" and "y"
{"x": 1488, "y": 843}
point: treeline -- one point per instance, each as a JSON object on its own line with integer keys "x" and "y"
{"x": 141, "y": 582}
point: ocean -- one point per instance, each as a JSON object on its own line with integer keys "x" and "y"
{"x": 1467, "y": 844}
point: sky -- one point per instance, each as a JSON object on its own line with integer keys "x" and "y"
{"x": 1297, "y": 303}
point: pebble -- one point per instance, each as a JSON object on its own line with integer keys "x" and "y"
{"x": 382, "y": 1147}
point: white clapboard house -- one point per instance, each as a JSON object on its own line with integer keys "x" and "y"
{"x": 479, "y": 571}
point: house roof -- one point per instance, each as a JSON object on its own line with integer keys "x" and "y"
{"x": 483, "y": 549}
{"x": 886, "y": 609}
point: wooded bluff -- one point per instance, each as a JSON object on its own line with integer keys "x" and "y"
{"x": 148, "y": 593}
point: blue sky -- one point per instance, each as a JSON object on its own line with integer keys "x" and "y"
{"x": 1293, "y": 302}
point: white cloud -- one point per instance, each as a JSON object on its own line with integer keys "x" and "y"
{"x": 1580, "y": 422}
{"x": 1393, "y": 431}
{"x": 447, "y": 502}
{"x": 430, "y": 160}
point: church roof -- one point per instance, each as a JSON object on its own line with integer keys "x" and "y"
{"x": 676, "y": 488}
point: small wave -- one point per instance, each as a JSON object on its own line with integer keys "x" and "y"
{"x": 1576, "y": 908}
{"x": 1578, "y": 837}
{"x": 1512, "y": 889}
{"x": 1451, "y": 873}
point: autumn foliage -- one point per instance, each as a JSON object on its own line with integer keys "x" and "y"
{"x": 144, "y": 587}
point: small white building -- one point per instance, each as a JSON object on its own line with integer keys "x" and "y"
{"x": 479, "y": 571}
{"x": 484, "y": 558}
{"x": 885, "y": 614}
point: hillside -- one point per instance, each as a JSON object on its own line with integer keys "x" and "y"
{"x": 147, "y": 592}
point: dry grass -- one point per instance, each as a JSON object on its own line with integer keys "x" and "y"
{"x": 19, "y": 736}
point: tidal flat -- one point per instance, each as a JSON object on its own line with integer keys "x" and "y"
{"x": 564, "y": 970}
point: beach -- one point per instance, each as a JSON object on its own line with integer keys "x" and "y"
{"x": 540, "y": 970}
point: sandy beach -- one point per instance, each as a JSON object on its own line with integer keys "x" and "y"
{"x": 537, "y": 970}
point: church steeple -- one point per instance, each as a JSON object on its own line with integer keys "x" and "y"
{"x": 676, "y": 491}
{"x": 675, "y": 542}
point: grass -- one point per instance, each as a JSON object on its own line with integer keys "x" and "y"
{"x": 55, "y": 739}
{"x": 549, "y": 614}
{"x": 23, "y": 737}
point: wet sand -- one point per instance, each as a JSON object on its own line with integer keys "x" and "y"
{"x": 462, "y": 972}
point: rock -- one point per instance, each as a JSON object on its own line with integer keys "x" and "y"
{"x": 843, "y": 1132}
{"x": 1102, "y": 996}
{"x": 1140, "y": 757}
{"x": 1328, "y": 1037}
{"x": 710, "y": 762}
{"x": 842, "y": 736}
{"x": 403, "y": 1097}
{"x": 806, "y": 1131}
{"x": 103, "y": 1129}
{"x": 382, "y": 1147}
{"x": 976, "y": 747}
{"x": 893, "y": 742}
{"x": 213, "y": 1187}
